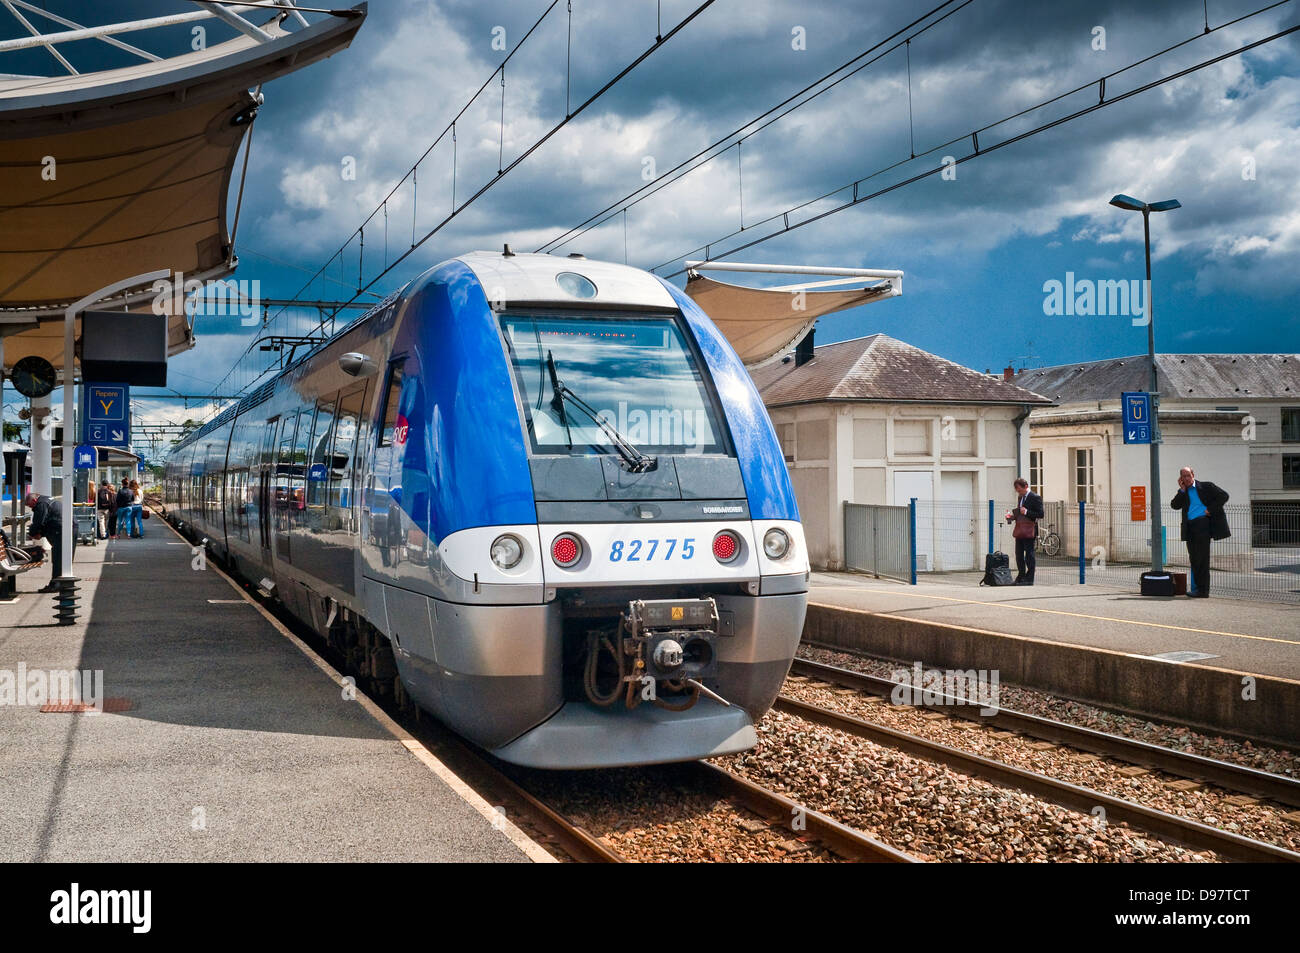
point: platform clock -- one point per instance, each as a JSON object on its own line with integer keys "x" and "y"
{"x": 33, "y": 376}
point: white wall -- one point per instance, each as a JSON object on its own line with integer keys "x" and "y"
{"x": 841, "y": 453}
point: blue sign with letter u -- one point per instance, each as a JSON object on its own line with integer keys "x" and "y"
{"x": 1137, "y": 416}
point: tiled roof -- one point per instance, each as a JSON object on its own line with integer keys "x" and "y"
{"x": 1189, "y": 376}
{"x": 881, "y": 368}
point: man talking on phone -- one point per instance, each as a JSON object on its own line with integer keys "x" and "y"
{"x": 1203, "y": 520}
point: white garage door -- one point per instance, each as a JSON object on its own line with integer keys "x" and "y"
{"x": 919, "y": 484}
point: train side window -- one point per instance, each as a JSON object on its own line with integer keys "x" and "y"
{"x": 319, "y": 455}
{"x": 392, "y": 398}
{"x": 286, "y": 439}
{"x": 342, "y": 465}
{"x": 302, "y": 446}
{"x": 268, "y": 440}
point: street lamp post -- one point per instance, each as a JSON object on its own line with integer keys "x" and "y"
{"x": 1157, "y": 527}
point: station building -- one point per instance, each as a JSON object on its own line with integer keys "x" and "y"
{"x": 875, "y": 420}
{"x": 1234, "y": 418}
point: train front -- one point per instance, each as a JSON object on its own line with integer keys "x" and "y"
{"x": 666, "y": 547}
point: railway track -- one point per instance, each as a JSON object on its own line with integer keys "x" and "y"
{"x": 838, "y": 838}
{"x": 1234, "y": 777}
{"x": 1167, "y": 826}
{"x": 556, "y": 829}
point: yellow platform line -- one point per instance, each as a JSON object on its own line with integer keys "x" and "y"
{"x": 1077, "y": 615}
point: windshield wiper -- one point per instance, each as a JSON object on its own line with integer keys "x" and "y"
{"x": 637, "y": 462}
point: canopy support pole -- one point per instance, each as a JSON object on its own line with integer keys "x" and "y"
{"x": 69, "y": 408}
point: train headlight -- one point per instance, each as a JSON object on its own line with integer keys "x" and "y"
{"x": 726, "y": 546}
{"x": 566, "y": 550}
{"x": 776, "y": 543}
{"x": 507, "y": 550}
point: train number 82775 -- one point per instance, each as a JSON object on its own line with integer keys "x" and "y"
{"x": 646, "y": 550}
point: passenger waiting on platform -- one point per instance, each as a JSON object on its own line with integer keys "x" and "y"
{"x": 1203, "y": 520}
{"x": 137, "y": 510}
{"x": 106, "y": 503}
{"x": 1026, "y": 514}
{"x": 124, "y": 500}
{"x": 47, "y": 522}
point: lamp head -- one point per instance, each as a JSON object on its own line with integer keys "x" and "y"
{"x": 1168, "y": 205}
{"x": 1127, "y": 202}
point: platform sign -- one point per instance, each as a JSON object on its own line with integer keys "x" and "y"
{"x": 106, "y": 415}
{"x": 85, "y": 457}
{"x": 1137, "y": 416}
{"x": 1137, "y": 501}
{"x": 317, "y": 472}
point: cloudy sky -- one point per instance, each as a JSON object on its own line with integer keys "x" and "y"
{"x": 977, "y": 245}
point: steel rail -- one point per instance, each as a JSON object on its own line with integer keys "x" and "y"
{"x": 1234, "y": 777}
{"x": 1062, "y": 793}
{"x": 836, "y": 837}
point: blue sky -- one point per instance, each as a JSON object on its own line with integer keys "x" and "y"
{"x": 977, "y": 250}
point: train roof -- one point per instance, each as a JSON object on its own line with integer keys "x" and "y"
{"x": 517, "y": 278}
{"x": 520, "y": 278}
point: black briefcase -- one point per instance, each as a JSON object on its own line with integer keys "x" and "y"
{"x": 997, "y": 570}
{"x": 1157, "y": 584}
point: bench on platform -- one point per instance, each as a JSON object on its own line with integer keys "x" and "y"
{"x": 13, "y": 561}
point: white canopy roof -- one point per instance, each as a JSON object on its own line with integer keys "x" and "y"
{"x": 762, "y": 324}
{"x": 124, "y": 171}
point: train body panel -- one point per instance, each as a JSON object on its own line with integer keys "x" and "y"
{"x": 542, "y": 493}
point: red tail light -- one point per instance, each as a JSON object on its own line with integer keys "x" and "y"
{"x": 566, "y": 550}
{"x": 726, "y": 546}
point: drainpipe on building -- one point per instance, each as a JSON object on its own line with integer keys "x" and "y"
{"x": 1027, "y": 408}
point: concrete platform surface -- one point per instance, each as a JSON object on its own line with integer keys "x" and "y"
{"x": 237, "y": 745}
{"x": 1259, "y": 638}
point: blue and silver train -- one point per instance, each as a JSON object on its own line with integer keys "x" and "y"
{"x": 538, "y": 497}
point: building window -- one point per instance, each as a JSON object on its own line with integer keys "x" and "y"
{"x": 912, "y": 437}
{"x": 957, "y": 437}
{"x": 785, "y": 433}
{"x": 1291, "y": 424}
{"x": 1083, "y": 489}
{"x": 1291, "y": 472}
{"x": 1036, "y": 471}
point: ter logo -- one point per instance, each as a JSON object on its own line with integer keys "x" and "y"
{"x": 401, "y": 430}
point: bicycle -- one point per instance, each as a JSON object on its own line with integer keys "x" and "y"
{"x": 1049, "y": 543}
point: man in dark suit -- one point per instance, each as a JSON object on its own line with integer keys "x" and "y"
{"x": 47, "y": 521}
{"x": 1203, "y": 520}
{"x": 1025, "y": 515}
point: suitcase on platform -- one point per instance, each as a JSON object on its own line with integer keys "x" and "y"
{"x": 997, "y": 570}
{"x": 1157, "y": 584}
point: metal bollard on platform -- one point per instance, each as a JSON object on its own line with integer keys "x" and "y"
{"x": 65, "y": 600}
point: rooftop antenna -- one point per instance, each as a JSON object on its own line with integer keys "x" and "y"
{"x": 1026, "y": 360}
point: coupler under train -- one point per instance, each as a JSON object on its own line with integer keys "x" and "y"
{"x": 660, "y": 652}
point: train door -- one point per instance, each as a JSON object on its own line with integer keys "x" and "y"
{"x": 265, "y": 474}
{"x": 384, "y": 496}
{"x": 283, "y": 489}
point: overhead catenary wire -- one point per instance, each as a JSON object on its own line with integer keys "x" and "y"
{"x": 978, "y": 150}
{"x": 663, "y": 180}
{"x": 364, "y": 285}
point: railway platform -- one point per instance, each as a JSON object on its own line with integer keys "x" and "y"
{"x": 223, "y": 738}
{"x": 1261, "y": 638}
{"x": 1228, "y": 664}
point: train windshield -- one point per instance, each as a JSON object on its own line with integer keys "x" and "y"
{"x": 638, "y": 374}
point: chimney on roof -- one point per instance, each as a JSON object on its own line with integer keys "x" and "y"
{"x": 1008, "y": 373}
{"x": 803, "y": 352}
